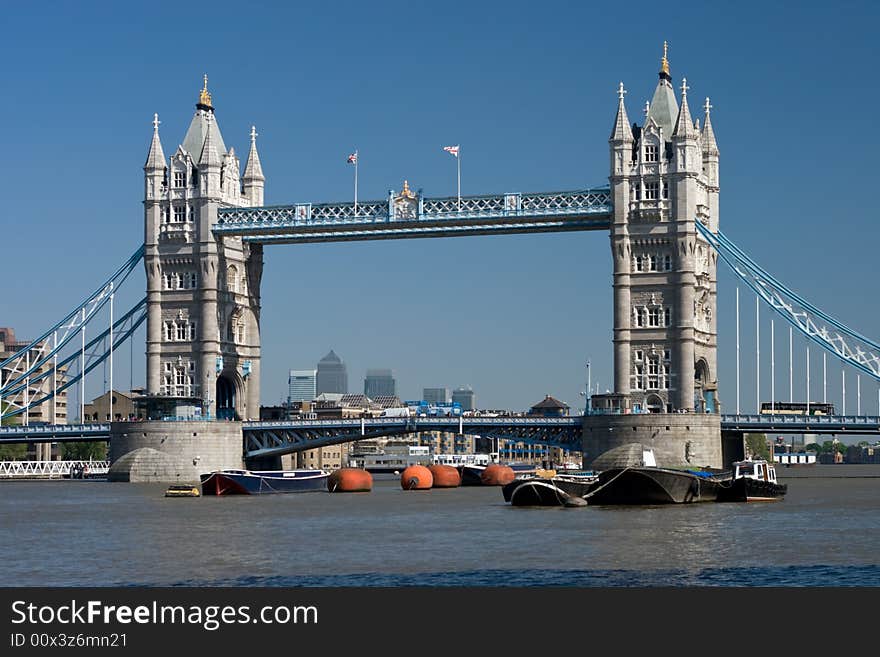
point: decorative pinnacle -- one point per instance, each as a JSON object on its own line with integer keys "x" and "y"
{"x": 205, "y": 95}
{"x": 684, "y": 88}
{"x": 156, "y": 121}
{"x": 664, "y": 63}
{"x": 707, "y": 106}
{"x": 621, "y": 92}
{"x": 647, "y": 108}
{"x": 254, "y": 133}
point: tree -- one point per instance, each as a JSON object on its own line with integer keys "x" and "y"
{"x": 813, "y": 447}
{"x": 84, "y": 451}
{"x": 757, "y": 445}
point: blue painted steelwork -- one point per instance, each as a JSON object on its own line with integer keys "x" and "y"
{"x": 283, "y": 437}
{"x": 20, "y": 368}
{"x": 826, "y": 424}
{"x": 832, "y": 335}
{"x": 54, "y": 433}
{"x": 414, "y": 216}
{"x": 97, "y": 351}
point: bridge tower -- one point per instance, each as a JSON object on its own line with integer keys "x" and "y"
{"x": 203, "y": 292}
{"x": 664, "y": 177}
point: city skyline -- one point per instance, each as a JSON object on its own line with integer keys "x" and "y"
{"x": 775, "y": 183}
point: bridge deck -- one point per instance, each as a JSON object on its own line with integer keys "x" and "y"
{"x": 415, "y": 216}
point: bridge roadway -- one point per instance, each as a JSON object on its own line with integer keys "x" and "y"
{"x": 282, "y": 437}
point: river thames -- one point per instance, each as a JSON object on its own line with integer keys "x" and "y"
{"x": 94, "y": 533}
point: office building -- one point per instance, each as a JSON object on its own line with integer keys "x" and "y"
{"x": 332, "y": 375}
{"x": 301, "y": 384}
{"x": 380, "y": 383}
{"x": 436, "y": 395}
{"x": 465, "y": 398}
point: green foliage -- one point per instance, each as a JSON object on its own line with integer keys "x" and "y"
{"x": 813, "y": 447}
{"x": 84, "y": 451}
{"x": 757, "y": 445}
{"x": 13, "y": 452}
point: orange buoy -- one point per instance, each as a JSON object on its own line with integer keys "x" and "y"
{"x": 416, "y": 477}
{"x": 350, "y": 480}
{"x": 445, "y": 476}
{"x": 496, "y": 474}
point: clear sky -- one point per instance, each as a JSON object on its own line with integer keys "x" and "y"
{"x": 529, "y": 91}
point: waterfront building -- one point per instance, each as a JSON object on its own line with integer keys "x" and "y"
{"x": 436, "y": 395}
{"x": 549, "y": 407}
{"x": 380, "y": 383}
{"x": 301, "y": 385}
{"x": 465, "y": 398}
{"x": 98, "y": 410}
{"x": 332, "y": 375}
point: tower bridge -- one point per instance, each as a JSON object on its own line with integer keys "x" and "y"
{"x": 206, "y": 226}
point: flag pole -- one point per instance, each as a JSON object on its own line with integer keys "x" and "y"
{"x": 355, "y": 182}
{"x": 458, "y": 163}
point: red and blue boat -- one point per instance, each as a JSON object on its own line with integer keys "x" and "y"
{"x": 263, "y": 482}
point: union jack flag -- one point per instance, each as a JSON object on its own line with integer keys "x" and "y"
{"x": 353, "y": 158}
{"x": 451, "y": 149}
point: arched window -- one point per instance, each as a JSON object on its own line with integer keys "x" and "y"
{"x": 232, "y": 278}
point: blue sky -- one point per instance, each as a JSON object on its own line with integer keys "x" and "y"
{"x": 528, "y": 90}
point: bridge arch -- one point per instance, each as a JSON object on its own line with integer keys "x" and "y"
{"x": 229, "y": 391}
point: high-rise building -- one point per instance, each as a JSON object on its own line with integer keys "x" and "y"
{"x": 465, "y": 397}
{"x": 436, "y": 395}
{"x": 332, "y": 375}
{"x": 301, "y": 384}
{"x": 380, "y": 383}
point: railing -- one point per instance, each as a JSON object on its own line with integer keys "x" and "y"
{"x": 416, "y": 208}
{"x": 810, "y": 423}
{"x": 51, "y": 469}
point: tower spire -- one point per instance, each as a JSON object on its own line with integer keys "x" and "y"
{"x": 209, "y": 152}
{"x": 253, "y": 170}
{"x": 710, "y": 146}
{"x": 684, "y": 125}
{"x": 156, "y": 156}
{"x": 621, "y": 131}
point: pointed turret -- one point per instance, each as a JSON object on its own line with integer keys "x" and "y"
{"x": 621, "y": 130}
{"x": 197, "y": 133}
{"x": 209, "y": 157}
{"x": 253, "y": 179}
{"x": 663, "y": 108}
{"x": 156, "y": 156}
{"x": 684, "y": 124}
{"x": 710, "y": 147}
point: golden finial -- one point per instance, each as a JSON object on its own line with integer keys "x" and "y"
{"x": 205, "y": 95}
{"x": 664, "y": 63}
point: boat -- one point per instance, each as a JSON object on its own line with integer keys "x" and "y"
{"x": 558, "y": 490}
{"x": 653, "y": 485}
{"x": 187, "y": 490}
{"x": 752, "y": 480}
{"x": 246, "y": 482}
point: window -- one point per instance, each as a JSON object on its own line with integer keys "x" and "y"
{"x": 192, "y": 280}
{"x": 667, "y": 316}
{"x": 165, "y": 218}
{"x": 652, "y": 262}
{"x": 652, "y": 191}
{"x": 169, "y": 336}
{"x": 181, "y": 331}
{"x": 653, "y": 373}
{"x": 635, "y": 191}
{"x": 640, "y": 317}
{"x": 653, "y": 317}
{"x": 179, "y": 214}
{"x": 640, "y": 355}
{"x": 667, "y": 263}
{"x": 167, "y": 366}
{"x": 651, "y": 152}
{"x": 665, "y": 190}
{"x": 192, "y": 334}
{"x": 180, "y": 178}
{"x": 232, "y": 278}
{"x": 639, "y": 378}
{"x": 667, "y": 355}
{"x": 639, "y": 263}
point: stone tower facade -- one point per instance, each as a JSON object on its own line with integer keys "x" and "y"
{"x": 664, "y": 178}
{"x": 203, "y": 292}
